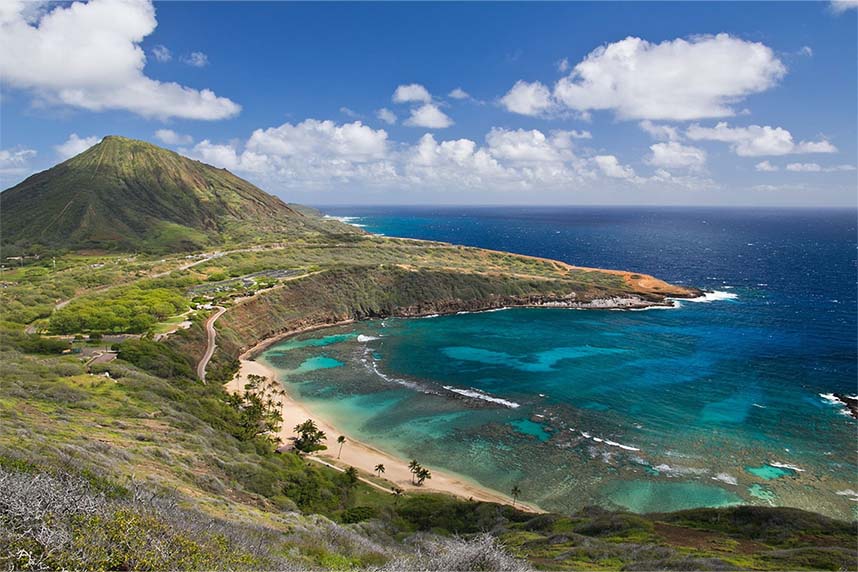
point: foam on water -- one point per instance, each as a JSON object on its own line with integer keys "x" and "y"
{"x": 477, "y": 394}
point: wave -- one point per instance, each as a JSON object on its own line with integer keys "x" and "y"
{"x": 347, "y": 220}
{"x": 370, "y": 365}
{"x": 673, "y": 471}
{"x": 477, "y": 394}
{"x": 786, "y": 466}
{"x": 714, "y": 296}
{"x": 725, "y": 478}
{"x": 607, "y": 442}
{"x": 363, "y": 339}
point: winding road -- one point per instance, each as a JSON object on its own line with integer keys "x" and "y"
{"x": 210, "y": 344}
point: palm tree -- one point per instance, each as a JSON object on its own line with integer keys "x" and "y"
{"x": 342, "y": 441}
{"x": 396, "y": 492}
{"x": 379, "y": 468}
{"x": 515, "y": 492}
{"x": 352, "y": 476}
{"x": 413, "y": 466}
{"x": 422, "y": 475}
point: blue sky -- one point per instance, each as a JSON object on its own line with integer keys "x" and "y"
{"x": 559, "y": 103}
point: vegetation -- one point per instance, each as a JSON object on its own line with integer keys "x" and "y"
{"x": 127, "y": 195}
{"x": 135, "y": 464}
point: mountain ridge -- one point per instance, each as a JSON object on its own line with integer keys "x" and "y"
{"x": 129, "y": 194}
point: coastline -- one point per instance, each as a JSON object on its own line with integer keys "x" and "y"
{"x": 356, "y": 453}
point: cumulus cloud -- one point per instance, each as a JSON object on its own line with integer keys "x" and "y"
{"x": 660, "y": 131}
{"x": 563, "y": 65}
{"x": 840, "y": 6}
{"x": 430, "y": 116}
{"x": 612, "y": 167}
{"x": 386, "y": 115}
{"x": 757, "y": 140}
{"x": 672, "y": 155}
{"x": 89, "y": 56}
{"x": 459, "y": 93}
{"x": 765, "y": 167}
{"x": 527, "y": 98}
{"x": 412, "y": 92}
{"x": 162, "y": 53}
{"x": 15, "y": 163}
{"x": 325, "y": 155}
{"x": 681, "y": 79}
{"x": 171, "y": 137}
{"x": 196, "y": 59}
{"x": 75, "y": 145}
{"x": 817, "y": 168}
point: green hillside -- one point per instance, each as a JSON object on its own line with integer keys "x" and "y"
{"x": 124, "y": 194}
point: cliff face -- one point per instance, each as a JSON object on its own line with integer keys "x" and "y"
{"x": 372, "y": 292}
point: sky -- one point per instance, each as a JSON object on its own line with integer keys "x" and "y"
{"x": 640, "y": 103}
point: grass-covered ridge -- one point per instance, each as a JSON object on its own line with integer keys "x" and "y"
{"x": 124, "y": 194}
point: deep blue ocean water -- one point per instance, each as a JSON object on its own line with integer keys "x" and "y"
{"x": 707, "y": 404}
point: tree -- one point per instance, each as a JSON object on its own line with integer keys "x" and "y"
{"x": 379, "y": 468}
{"x": 351, "y": 476}
{"x": 515, "y": 493}
{"x": 396, "y": 492}
{"x": 309, "y": 438}
{"x": 342, "y": 441}
{"x": 422, "y": 475}
{"x": 413, "y": 466}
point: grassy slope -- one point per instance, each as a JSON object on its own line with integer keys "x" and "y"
{"x": 176, "y": 438}
{"x": 124, "y": 194}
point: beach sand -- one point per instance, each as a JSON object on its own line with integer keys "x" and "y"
{"x": 361, "y": 455}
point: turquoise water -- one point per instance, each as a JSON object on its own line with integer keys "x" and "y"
{"x": 708, "y": 404}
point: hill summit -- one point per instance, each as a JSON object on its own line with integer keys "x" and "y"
{"x": 125, "y": 194}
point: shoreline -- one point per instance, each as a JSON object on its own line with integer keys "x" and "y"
{"x": 356, "y": 453}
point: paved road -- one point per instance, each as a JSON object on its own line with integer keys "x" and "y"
{"x": 210, "y": 345}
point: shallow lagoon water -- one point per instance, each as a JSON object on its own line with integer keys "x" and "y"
{"x": 701, "y": 405}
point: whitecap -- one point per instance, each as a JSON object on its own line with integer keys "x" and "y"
{"x": 363, "y": 339}
{"x": 714, "y": 296}
{"x": 725, "y": 478}
{"x": 477, "y": 394}
{"x": 786, "y": 466}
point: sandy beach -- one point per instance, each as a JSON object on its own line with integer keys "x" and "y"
{"x": 362, "y": 455}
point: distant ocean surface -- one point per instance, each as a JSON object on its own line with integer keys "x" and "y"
{"x": 708, "y": 404}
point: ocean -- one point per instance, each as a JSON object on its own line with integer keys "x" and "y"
{"x": 711, "y": 403}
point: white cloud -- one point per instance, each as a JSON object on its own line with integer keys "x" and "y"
{"x": 349, "y": 112}
{"x": 196, "y": 59}
{"x": 756, "y": 140}
{"x": 806, "y": 51}
{"x": 527, "y": 98}
{"x": 765, "y": 167}
{"x": 350, "y": 141}
{"x": 673, "y": 155}
{"x": 171, "y": 137}
{"x": 430, "y": 116}
{"x": 89, "y": 56}
{"x": 660, "y": 132}
{"x": 75, "y": 145}
{"x": 386, "y": 115}
{"x": 563, "y": 65}
{"x": 817, "y": 168}
{"x": 459, "y": 93}
{"x": 410, "y": 93}
{"x": 162, "y": 53}
{"x": 15, "y": 163}
{"x": 522, "y": 146}
{"x": 583, "y": 134}
{"x": 323, "y": 155}
{"x": 612, "y": 167}
{"x": 840, "y": 6}
{"x": 674, "y": 80}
